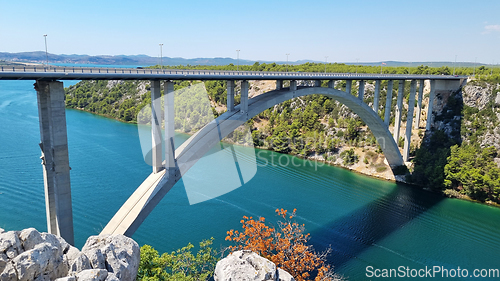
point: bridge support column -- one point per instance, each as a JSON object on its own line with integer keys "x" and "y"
{"x": 348, "y": 86}
{"x": 244, "y": 97}
{"x": 168, "y": 95}
{"x": 230, "y": 95}
{"x": 376, "y": 96}
{"x": 361, "y": 89}
{"x": 279, "y": 84}
{"x": 399, "y": 107}
{"x": 156, "y": 148}
{"x": 317, "y": 83}
{"x": 409, "y": 120}
{"x": 430, "y": 108}
{"x": 419, "y": 103}
{"x": 293, "y": 85}
{"x": 55, "y": 158}
{"x": 331, "y": 84}
{"x": 388, "y": 102}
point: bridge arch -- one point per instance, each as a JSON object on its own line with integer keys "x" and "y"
{"x": 128, "y": 219}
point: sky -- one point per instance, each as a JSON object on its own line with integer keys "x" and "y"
{"x": 341, "y": 31}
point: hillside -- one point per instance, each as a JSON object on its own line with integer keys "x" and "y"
{"x": 317, "y": 127}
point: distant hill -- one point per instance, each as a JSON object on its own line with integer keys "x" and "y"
{"x": 144, "y": 60}
{"x": 139, "y": 60}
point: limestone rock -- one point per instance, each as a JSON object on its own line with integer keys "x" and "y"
{"x": 35, "y": 262}
{"x": 29, "y": 238}
{"x": 284, "y": 276}
{"x": 476, "y": 96}
{"x": 96, "y": 258}
{"x": 67, "y": 278}
{"x": 2, "y": 230}
{"x": 92, "y": 275}
{"x": 10, "y": 244}
{"x": 245, "y": 265}
{"x": 121, "y": 254}
{"x": 9, "y": 273}
{"x": 29, "y": 255}
{"x": 80, "y": 263}
{"x": 112, "y": 277}
{"x": 3, "y": 261}
{"x": 42, "y": 278}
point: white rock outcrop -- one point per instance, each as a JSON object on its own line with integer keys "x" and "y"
{"x": 29, "y": 255}
{"x": 247, "y": 265}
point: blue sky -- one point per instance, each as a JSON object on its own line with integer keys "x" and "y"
{"x": 263, "y": 30}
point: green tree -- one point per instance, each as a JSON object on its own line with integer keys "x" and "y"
{"x": 180, "y": 265}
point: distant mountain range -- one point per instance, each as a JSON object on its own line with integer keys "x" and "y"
{"x": 144, "y": 60}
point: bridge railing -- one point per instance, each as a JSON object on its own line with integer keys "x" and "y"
{"x": 213, "y": 73}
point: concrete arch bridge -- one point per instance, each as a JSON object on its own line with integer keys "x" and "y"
{"x": 54, "y": 146}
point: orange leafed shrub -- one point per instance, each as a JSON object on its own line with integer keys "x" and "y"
{"x": 285, "y": 245}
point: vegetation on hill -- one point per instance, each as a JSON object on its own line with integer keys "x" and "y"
{"x": 457, "y": 158}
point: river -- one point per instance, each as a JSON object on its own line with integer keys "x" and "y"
{"x": 366, "y": 221}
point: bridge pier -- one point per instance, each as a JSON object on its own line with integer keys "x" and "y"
{"x": 244, "y": 97}
{"x": 430, "y": 108}
{"x": 279, "y": 85}
{"x": 331, "y": 83}
{"x": 399, "y": 107}
{"x": 361, "y": 90}
{"x": 376, "y": 96}
{"x": 419, "y": 103}
{"x": 156, "y": 148}
{"x": 55, "y": 158}
{"x": 409, "y": 120}
{"x": 388, "y": 103}
{"x": 293, "y": 85}
{"x": 170, "y": 164}
{"x": 348, "y": 86}
{"x": 230, "y": 95}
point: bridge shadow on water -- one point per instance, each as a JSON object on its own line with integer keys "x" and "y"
{"x": 356, "y": 232}
{"x": 351, "y": 235}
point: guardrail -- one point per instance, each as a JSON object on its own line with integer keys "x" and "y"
{"x": 246, "y": 74}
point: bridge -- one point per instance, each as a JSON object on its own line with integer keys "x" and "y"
{"x": 54, "y": 144}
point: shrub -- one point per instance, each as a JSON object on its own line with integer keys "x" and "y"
{"x": 179, "y": 265}
{"x": 285, "y": 245}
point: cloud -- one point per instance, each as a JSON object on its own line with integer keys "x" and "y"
{"x": 491, "y": 28}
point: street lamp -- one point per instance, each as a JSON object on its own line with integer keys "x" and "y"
{"x": 161, "y": 55}
{"x": 46, "y": 53}
{"x": 238, "y": 60}
{"x": 357, "y": 62}
{"x": 326, "y": 58}
{"x": 474, "y": 72}
{"x": 455, "y": 64}
{"x": 287, "y": 62}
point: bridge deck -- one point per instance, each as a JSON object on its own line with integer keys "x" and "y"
{"x": 91, "y": 73}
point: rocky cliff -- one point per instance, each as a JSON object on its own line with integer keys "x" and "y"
{"x": 30, "y": 255}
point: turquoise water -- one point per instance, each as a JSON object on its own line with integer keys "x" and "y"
{"x": 367, "y": 222}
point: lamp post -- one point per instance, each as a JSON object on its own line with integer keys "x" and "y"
{"x": 238, "y": 60}
{"x": 474, "y": 72}
{"x": 46, "y": 53}
{"x": 287, "y": 62}
{"x": 455, "y": 64}
{"x": 161, "y": 55}
{"x": 326, "y": 58}
{"x": 357, "y": 62}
